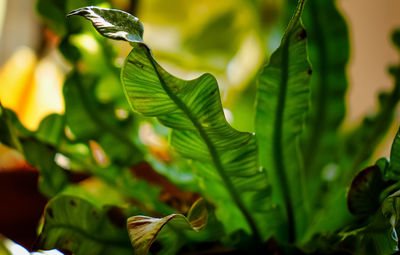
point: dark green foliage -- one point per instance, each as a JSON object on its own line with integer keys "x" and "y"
{"x": 74, "y": 224}
{"x": 329, "y": 52}
{"x": 295, "y": 186}
{"x": 283, "y": 96}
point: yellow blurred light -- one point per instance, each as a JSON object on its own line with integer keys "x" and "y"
{"x": 46, "y": 95}
{"x": 15, "y": 75}
{"x": 87, "y": 42}
{"x": 31, "y": 88}
{"x": 246, "y": 62}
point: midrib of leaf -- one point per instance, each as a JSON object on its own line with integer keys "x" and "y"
{"x": 278, "y": 151}
{"x": 322, "y": 89}
{"x": 101, "y": 241}
{"x": 212, "y": 150}
{"x": 278, "y": 128}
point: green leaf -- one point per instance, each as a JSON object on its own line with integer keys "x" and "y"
{"x": 51, "y": 129}
{"x": 8, "y": 135}
{"x": 3, "y": 246}
{"x": 52, "y": 14}
{"x": 328, "y": 47}
{"x": 74, "y": 224}
{"x": 143, "y": 230}
{"x": 101, "y": 123}
{"x": 379, "y": 236}
{"x": 193, "y": 110}
{"x": 363, "y": 198}
{"x": 52, "y": 177}
{"x": 37, "y": 153}
{"x": 394, "y": 165}
{"x": 396, "y": 38}
{"x": 283, "y": 98}
{"x": 113, "y": 24}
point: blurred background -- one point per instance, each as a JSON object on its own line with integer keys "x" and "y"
{"x": 228, "y": 38}
{"x": 175, "y": 35}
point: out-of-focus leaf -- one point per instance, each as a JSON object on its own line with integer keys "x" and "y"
{"x": 368, "y": 197}
{"x": 7, "y": 136}
{"x": 217, "y": 35}
{"x": 53, "y": 177}
{"x": 53, "y": 13}
{"x": 379, "y": 236}
{"x": 5, "y": 245}
{"x": 283, "y": 98}
{"x": 143, "y": 230}
{"x": 51, "y": 129}
{"x": 3, "y": 248}
{"x": 74, "y": 224}
{"x": 89, "y": 119}
{"x": 363, "y": 198}
{"x": 78, "y": 109}
{"x": 38, "y": 154}
{"x": 394, "y": 164}
{"x": 328, "y": 47}
{"x": 193, "y": 109}
{"x": 396, "y": 38}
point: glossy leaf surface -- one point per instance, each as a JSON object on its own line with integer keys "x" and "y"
{"x": 199, "y": 130}
{"x": 112, "y": 23}
{"x": 283, "y": 99}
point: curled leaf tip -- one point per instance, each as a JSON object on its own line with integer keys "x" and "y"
{"x": 112, "y": 23}
{"x": 143, "y": 230}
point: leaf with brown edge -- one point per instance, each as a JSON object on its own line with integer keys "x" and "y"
{"x": 363, "y": 198}
{"x": 143, "y": 230}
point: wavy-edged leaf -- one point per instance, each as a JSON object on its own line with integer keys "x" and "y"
{"x": 328, "y": 47}
{"x": 282, "y": 102}
{"x": 143, "y": 230}
{"x": 74, "y": 224}
{"x": 193, "y": 110}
